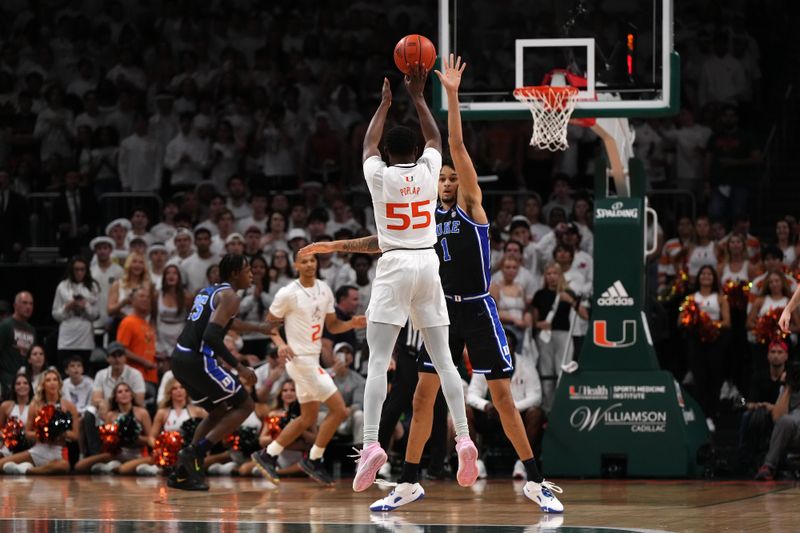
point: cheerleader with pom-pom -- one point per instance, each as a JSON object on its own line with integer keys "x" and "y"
{"x": 14, "y": 416}
{"x": 51, "y": 423}
{"x": 124, "y": 434}
{"x": 762, "y": 320}
{"x": 706, "y": 320}
{"x": 173, "y": 411}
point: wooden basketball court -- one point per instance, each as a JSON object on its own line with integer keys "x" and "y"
{"x": 135, "y": 504}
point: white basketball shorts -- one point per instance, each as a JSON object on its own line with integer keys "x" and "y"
{"x": 407, "y": 284}
{"x": 311, "y": 382}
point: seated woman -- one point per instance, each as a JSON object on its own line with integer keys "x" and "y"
{"x": 121, "y": 405}
{"x": 45, "y": 457}
{"x": 16, "y": 408}
{"x": 223, "y": 464}
{"x": 173, "y": 411}
{"x": 286, "y": 408}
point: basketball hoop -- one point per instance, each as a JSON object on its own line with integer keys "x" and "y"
{"x": 551, "y": 108}
{"x": 551, "y": 105}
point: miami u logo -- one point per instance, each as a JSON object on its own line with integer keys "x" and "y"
{"x": 600, "y": 333}
{"x": 409, "y": 179}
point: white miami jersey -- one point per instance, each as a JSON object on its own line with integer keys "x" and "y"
{"x": 303, "y": 310}
{"x": 404, "y": 200}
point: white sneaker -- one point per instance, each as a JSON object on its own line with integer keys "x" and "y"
{"x": 214, "y": 470}
{"x": 23, "y": 468}
{"x": 227, "y": 468}
{"x": 519, "y": 471}
{"x": 147, "y": 470}
{"x": 542, "y": 495}
{"x": 11, "y": 468}
{"x": 97, "y": 468}
{"x": 402, "y": 494}
{"x": 482, "y": 470}
{"x": 386, "y": 470}
{"x": 111, "y": 465}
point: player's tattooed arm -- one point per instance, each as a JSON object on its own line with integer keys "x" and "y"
{"x": 364, "y": 245}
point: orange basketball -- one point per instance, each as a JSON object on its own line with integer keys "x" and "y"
{"x": 413, "y": 49}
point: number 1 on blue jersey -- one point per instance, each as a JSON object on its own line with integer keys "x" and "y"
{"x": 445, "y": 251}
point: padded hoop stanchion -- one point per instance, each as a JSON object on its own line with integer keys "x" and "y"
{"x": 551, "y": 108}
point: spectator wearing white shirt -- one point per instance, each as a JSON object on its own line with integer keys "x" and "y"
{"x": 139, "y": 222}
{"x": 104, "y": 272}
{"x": 215, "y": 208}
{"x": 186, "y": 156}
{"x": 560, "y": 196}
{"x": 123, "y": 117}
{"x": 85, "y": 80}
{"x": 258, "y": 216}
{"x": 533, "y": 212}
{"x": 342, "y": 218}
{"x": 690, "y": 140}
{"x": 226, "y": 225}
{"x": 526, "y": 391}
{"x": 196, "y": 265}
{"x": 581, "y": 217}
{"x": 237, "y": 198}
{"x": 166, "y": 229}
{"x": 164, "y": 123}
{"x": 722, "y": 76}
{"x": 126, "y": 74}
{"x": 226, "y": 156}
{"x": 181, "y": 245}
{"x": 140, "y": 160}
{"x": 101, "y": 162}
{"x": 54, "y": 127}
{"x": 78, "y": 387}
{"x": 520, "y": 231}
{"x": 75, "y": 309}
{"x": 91, "y": 115}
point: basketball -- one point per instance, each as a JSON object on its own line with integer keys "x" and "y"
{"x": 413, "y": 49}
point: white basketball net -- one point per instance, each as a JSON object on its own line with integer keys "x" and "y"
{"x": 551, "y": 108}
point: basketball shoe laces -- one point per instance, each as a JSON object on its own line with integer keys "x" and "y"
{"x": 548, "y": 488}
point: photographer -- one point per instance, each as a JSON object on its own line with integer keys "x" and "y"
{"x": 786, "y": 415}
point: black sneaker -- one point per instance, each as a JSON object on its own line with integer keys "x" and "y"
{"x": 316, "y": 471}
{"x": 188, "y": 473}
{"x": 176, "y": 481}
{"x": 268, "y": 464}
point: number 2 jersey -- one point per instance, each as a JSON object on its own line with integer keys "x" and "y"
{"x": 464, "y": 255}
{"x": 404, "y": 200}
{"x": 304, "y": 310}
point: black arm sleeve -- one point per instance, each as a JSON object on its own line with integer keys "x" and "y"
{"x": 214, "y": 337}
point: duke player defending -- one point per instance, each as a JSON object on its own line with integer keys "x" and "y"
{"x": 462, "y": 230}
{"x": 407, "y": 276}
{"x": 306, "y": 305}
{"x": 209, "y": 385}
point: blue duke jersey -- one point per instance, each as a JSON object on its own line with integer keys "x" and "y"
{"x": 191, "y": 338}
{"x": 464, "y": 254}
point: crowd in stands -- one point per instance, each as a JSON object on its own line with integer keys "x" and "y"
{"x": 252, "y": 139}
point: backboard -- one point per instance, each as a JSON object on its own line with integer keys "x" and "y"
{"x": 624, "y": 49}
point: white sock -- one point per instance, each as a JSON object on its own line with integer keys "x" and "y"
{"x": 381, "y": 338}
{"x": 274, "y": 449}
{"x": 438, "y": 348}
{"x": 316, "y": 453}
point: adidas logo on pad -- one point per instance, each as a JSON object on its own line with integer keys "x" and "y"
{"x": 615, "y": 295}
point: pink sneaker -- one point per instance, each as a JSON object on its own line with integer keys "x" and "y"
{"x": 370, "y": 460}
{"x": 467, "y": 461}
